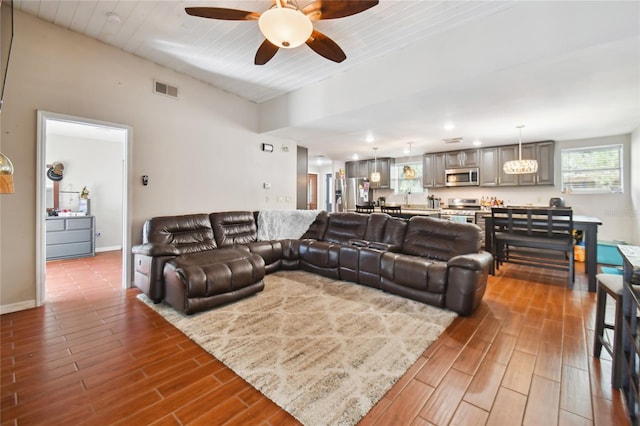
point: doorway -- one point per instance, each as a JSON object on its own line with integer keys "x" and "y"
{"x": 312, "y": 192}
{"x": 99, "y": 154}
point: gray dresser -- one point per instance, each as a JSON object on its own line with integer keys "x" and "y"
{"x": 69, "y": 237}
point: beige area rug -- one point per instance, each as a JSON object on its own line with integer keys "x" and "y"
{"x": 324, "y": 350}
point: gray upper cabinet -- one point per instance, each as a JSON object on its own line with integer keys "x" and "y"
{"x": 383, "y": 166}
{"x": 433, "y": 166}
{"x": 543, "y": 153}
{"x": 506, "y": 153}
{"x": 357, "y": 169}
{"x": 363, "y": 169}
{"x": 351, "y": 169}
{"x": 489, "y": 167}
{"x": 464, "y": 158}
{"x": 492, "y": 159}
{"x": 546, "y": 165}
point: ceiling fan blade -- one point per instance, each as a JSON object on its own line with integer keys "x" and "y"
{"x": 332, "y": 9}
{"x": 222, "y": 13}
{"x": 324, "y": 46}
{"x": 265, "y": 52}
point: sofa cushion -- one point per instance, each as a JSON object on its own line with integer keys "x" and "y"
{"x": 187, "y": 234}
{"x": 394, "y": 232}
{"x": 270, "y": 251}
{"x": 414, "y": 272}
{"x": 343, "y": 227}
{"x": 230, "y": 228}
{"x": 375, "y": 226}
{"x": 440, "y": 239}
{"x": 320, "y": 253}
{"x": 317, "y": 228}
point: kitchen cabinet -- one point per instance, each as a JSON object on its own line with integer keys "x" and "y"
{"x": 383, "y": 166}
{"x": 464, "y": 158}
{"x": 506, "y": 153}
{"x": 489, "y": 167}
{"x": 492, "y": 159}
{"x": 433, "y": 166}
{"x": 357, "y": 169}
{"x": 351, "y": 169}
{"x": 69, "y": 237}
{"x": 543, "y": 153}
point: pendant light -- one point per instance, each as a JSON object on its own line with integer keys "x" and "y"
{"x": 375, "y": 176}
{"x": 520, "y": 166}
{"x": 6, "y": 175}
{"x": 408, "y": 171}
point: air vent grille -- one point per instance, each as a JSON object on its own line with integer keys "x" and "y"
{"x": 452, "y": 140}
{"x": 165, "y": 89}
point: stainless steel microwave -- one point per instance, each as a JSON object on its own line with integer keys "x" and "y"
{"x": 462, "y": 177}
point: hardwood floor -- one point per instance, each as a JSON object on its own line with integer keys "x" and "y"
{"x": 96, "y": 355}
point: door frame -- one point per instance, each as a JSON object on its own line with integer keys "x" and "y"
{"x": 43, "y": 117}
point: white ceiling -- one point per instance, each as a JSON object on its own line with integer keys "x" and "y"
{"x": 566, "y": 70}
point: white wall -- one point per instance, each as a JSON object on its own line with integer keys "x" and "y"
{"x": 98, "y": 165}
{"x": 635, "y": 186}
{"x": 201, "y": 152}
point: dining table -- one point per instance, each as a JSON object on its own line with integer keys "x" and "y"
{"x": 589, "y": 227}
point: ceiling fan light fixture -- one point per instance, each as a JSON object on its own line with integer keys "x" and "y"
{"x": 285, "y": 27}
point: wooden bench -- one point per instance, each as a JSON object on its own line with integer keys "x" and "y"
{"x": 541, "y": 237}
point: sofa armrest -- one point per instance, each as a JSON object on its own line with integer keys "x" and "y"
{"x": 384, "y": 246}
{"x": 359, "y": 243}
{"x": 150, "y": 249}
{"x": 467, "y": 281}
{"x": 476, "y": 261}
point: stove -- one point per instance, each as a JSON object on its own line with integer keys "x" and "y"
{"x": 461, "y": 210}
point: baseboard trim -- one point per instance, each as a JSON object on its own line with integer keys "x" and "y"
{"x": 112, "y": 248}
{"x": 15, "y": 307}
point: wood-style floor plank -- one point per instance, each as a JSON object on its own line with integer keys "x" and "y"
{"x": 94, "y": 354}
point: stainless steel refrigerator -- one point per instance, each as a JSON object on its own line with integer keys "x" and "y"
{"x": 351, "y": 191}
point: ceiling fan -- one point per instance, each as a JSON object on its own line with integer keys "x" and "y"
{"x": 287, "y": 25}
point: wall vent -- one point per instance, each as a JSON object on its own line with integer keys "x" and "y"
{"x": 452, "y": 140}
{"x": 165, "y": 89}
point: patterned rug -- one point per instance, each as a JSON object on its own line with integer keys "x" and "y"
{"x": 324, "y": 350}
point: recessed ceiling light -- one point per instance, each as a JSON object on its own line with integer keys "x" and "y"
{"x": 477, "y": 142}
{"x": 370, "y": 138}
{"x": 355, "y": 156}
{"x": 449, "y": 126}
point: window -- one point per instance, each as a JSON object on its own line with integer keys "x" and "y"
{"x": 592, "y": 170}
{"x": 406, "y": 178}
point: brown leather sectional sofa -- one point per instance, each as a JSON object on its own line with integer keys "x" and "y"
{"x": 195, "y": 262}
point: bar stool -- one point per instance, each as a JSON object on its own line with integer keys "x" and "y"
{"x": 609, "y": 284}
